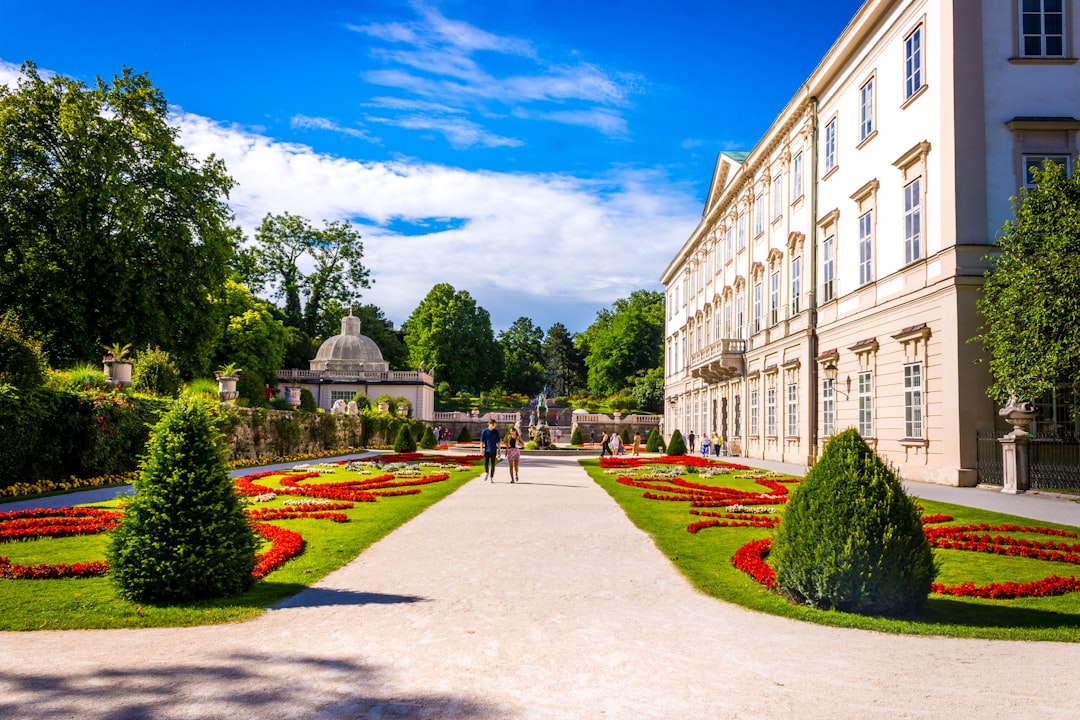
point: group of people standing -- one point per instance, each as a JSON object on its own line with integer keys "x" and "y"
{"x": 492, "y": 441}
{"x": 612, "y": 444}
{"x": 709, "y": 444}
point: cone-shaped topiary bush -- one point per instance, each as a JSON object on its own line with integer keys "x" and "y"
{"x": 428, "y": 440}
{"x": 464, "y": 435}
{"x": 654, "y": 443}
{"x": 624, "y": 435}
{"x": 851, "y": 539}
{"x": 184, "y": 535}
{"x": 576, "y": 438}
{"x": 404, "y": 442}
{"x": 676, "y": 446}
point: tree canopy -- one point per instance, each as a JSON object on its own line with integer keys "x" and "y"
{"x": 450, "y": 335}
{"x": 522, "y": 345}
{"x": 624, "y": 341}
{"x": 110, "y": 232}
{"x": 563, "y": 367}
{"x": 282, "y": 242}
{"x": 1031, "y": 300}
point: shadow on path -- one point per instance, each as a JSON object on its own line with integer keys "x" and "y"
{"x": 227, "y": 686}
{"x": 326, "y": 597}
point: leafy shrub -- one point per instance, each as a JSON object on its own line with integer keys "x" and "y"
{"x": 362, "y": 402}
{"x": 22, "y": 361}
{"x": 532, "y": 445}
{"x": 184, "y": 535}
{"x": 576, "y": 438}
{"x": 851, "y": 539}
{"x": 428, "y": 440}
{"x": 252, "y": 388}
{"x": 654, "y": 443}
{"x": 155, "y": 373}
{"x": 464, "y": 435}
{"x": 676, "y": 446}
{"x": 307, "y": 401}
{"x": 405, "y": 442}
{"x": 80, "y": 377}
{"x": 202, "y": 386}
{"x": 624, "y": 435}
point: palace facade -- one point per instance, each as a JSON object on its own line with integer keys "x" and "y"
{"x": 833, "y": 278}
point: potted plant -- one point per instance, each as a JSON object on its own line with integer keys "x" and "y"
{"x": 227, "y": 375}
{"x": 117, "y": 365}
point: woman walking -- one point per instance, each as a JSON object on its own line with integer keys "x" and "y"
{"x": 513, "y": 453}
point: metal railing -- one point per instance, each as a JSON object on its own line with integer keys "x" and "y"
{"x": 1053, "y": 461}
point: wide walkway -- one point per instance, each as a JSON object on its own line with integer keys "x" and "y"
{"x": 536, "y": 600}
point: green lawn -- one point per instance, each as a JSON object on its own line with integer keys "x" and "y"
{"x": 705, "y": 559}
{"x": 94, "y": 603}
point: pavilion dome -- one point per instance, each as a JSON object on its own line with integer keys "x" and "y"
{"x": 350, "y": 351}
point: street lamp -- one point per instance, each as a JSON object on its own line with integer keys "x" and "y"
{"x": 831, "y": 372}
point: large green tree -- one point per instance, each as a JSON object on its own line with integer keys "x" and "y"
{"x": 563, "y": 366}
{"x": 624, "y": 341}
{"x": 1031, "y": 300}
{"x": 252, "y": 338}
{"x": 523, "y": 368}
{"x": 109, "y": 231}
{"x": 283, "y": 244}
{"x": 450, "y": 335}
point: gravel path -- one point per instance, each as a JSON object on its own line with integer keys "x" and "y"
{"x": 536, "y": 600}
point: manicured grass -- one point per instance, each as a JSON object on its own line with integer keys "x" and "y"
{"x": 94, "y": 603}
{"x": 705, "y": 559}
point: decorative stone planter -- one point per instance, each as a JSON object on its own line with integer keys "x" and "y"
{"x": 117, "y": 373}
{"x": 384, "y": 407}
{"x": 292, "y": 395}
{"x": 1014, "y": 446}
{"x": 227, "y": 387}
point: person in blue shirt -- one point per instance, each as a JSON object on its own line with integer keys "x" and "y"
{"x": 490, "y": 439}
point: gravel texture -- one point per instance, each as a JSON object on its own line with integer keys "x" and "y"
{"x": 533, "y": 600}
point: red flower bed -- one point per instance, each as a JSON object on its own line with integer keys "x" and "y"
{"x": 750, "y": 558}
{"x": 313, "y": 512}
{"x": 61, "y": 522}
{"x": 285, "y": 545}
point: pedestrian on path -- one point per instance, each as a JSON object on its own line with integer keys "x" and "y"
{"x": 605, "y": 445}
{"x": 637, "y": 444}
{"x": 513, "y": 453}
{"x": 615, "y": 444}
{"x": 490, "y": 439}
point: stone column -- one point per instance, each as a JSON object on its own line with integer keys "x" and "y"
{"x": 1014, "y": 446}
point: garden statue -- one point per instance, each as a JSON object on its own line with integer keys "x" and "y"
{"x": 338, "y": 407}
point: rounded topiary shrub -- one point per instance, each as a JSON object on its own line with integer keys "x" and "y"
{"x": 851, "y": 539}
{"x": 676, "y": 446}
{"x": 405, "y": 442}
{"x": 576, "y": 438}
{"x": 464, "y": 435}
{"x": 22, "y": 361}
{"x": 624, "y": 435}
{"x": 307, "y": 401}
{"x": 184, "y": 535}
{"x": 654, "y": 443}
{"x": 428, "y": 440}
{"x": 154, "y": 373}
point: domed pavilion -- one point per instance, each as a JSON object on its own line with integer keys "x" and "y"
{"x": 351, "y": 362}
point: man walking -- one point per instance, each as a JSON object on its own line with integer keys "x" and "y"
{"x": 490, "y": 439}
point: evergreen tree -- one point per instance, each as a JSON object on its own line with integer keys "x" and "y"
{"x": 677, "y": 445}
{"x": 184, "y": 535}
{"x": 576, "y": 437}
{"x": 405, "y": 442}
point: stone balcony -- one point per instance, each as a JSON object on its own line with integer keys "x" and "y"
{"x": 720, "y": 361}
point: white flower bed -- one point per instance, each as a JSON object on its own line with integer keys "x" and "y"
{"x": 302, "y": 502}
{"x": 265, "y": 497}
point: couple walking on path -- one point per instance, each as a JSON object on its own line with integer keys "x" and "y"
{"x": 490, "y": 439}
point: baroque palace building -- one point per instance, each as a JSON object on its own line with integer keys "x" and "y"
{"x": 832, "y": 280}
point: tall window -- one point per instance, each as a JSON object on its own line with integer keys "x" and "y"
{"x": 913, "y": 221}
{"x": 740, "y": 316}
{"x": 770, "y": 412}
{"x": 913, "y": 401}
{"x": 866, "y": 404}
{"x": 1042, "y": 28}
{"x": 742, "y": 231}
{"x": 727, "y": 320}
{"x": 757, "y": 307}
{"x": 738, "y": 416}
{"x": 729, "y": 240}
{"x": 866, "y": 109}
{"x": 777, "y": 196}
{"x": 828, "y": 408}
{"x": 792, "y": 410}
{"x": 716, "y": 326}
{"x": 774, "y": 298}
{"x": 913, "y": 65}
{"x": 754, "y": 412}
{"x": 796, "y": 177}
{"x": 1039, "y": 161}
{"x": 796, "y": 284}
{"x": 866, "y": 248}
{"x": 830, "y": 146}
{"x": 828, "y": 269}
{"x": 759, "y": 214}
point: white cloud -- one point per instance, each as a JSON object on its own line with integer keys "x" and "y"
{"x": 521, "y": 244}
{"x": 460, "y": 133}
{"x": 318, "y": 123}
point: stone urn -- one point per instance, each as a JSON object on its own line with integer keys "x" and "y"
{"x": 117, "y": 373}
{"x": 384, "y": 407}
{"x": 1019, "y": 415}
{"x": 292, "y": 396}
{"x": 227, "y": 387}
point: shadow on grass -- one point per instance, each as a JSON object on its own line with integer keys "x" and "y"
{"x": 946, "y": 611}
{"x": 222, "y": 686}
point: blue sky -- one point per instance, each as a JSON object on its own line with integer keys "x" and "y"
{"x": 548, "y": 156}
